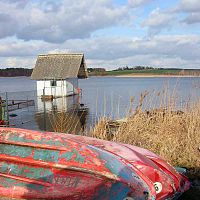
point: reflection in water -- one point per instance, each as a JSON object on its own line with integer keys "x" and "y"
{"x": 64, "y": 114}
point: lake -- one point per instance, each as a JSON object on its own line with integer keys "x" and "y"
{"x": 101, "y": 96}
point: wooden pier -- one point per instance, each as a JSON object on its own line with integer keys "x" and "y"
{"x": 19, "y": 104}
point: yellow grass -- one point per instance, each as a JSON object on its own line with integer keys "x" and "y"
{"x": 173, "y": 134}
{"x": 65, "y": 122}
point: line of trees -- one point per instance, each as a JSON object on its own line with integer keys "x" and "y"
{"x": 143, "y": 68}
{"x": 96, "y": 71}
{"x": 12, "y": 72}
{"x": 134, "y": 68}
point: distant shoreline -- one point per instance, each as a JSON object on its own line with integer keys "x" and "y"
{"x": 129, "y": 76}
{"x": 14, "y": 76}
{"x": 155, "y": 76}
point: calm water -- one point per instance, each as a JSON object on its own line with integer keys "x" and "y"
{"x": 101, "y": 96}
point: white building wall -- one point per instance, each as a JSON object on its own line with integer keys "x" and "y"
{"x": 62, "y": 88}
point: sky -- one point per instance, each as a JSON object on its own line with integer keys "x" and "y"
{"x": 111, "y": 33}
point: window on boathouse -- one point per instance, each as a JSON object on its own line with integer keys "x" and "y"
{"x": 53, "y": 83}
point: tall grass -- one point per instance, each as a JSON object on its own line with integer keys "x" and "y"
{"x": 64, "y": 121}
{"x": 169, "y": 130}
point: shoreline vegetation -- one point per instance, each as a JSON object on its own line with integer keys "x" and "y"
{"x": 155, "y": 76}
{"x": 168, "y": 129}
{"x": 15, "y": 72}
{"x": 138, "y": 71}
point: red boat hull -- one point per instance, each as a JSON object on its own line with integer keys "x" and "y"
{"x": 36, "y": 165}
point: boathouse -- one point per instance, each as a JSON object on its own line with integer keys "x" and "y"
{"x": 57, "y": 74}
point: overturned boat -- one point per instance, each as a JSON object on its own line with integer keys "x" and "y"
{"x": 43, "y": 165}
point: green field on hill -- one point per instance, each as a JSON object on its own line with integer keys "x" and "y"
{"x": 155, "y": 71}
{"x": 145, "y": 71}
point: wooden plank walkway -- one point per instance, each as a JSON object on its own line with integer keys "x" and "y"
{"x": 19, "y": 104}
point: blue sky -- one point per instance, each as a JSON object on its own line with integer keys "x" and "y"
{"x": 111, "y": 33}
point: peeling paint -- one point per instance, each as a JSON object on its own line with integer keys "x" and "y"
{"x": 15, "y": 150}
{"x": 35, "y": 165}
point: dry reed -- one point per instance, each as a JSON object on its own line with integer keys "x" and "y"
{"x": 173, "y": 134}
{"x": 66, "y": 121}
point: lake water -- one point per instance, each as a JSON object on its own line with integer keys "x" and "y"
{"x": 101, "y": 96}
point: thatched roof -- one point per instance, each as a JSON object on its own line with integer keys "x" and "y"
{"x": 59, "y": 66}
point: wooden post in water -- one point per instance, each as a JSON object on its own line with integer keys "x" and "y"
{"x": 6, "y": 111}
{"x": 1, "y": 110}
{"x": 3, "y": 118}
{"x": 44, "y": 103}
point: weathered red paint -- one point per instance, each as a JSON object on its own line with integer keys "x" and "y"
{"x": 36, "y": 165}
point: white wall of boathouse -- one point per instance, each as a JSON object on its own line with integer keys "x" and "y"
{"x": 57, "y": 88}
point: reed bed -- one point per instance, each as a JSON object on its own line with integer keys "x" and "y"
{"x": 64, "y": 121}
{"x": 160, "y": 127}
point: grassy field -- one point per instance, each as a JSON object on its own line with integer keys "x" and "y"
{"x": 175, "y": 72}
{"x": 153, "y": 71}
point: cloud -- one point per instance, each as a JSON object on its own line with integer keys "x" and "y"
{"x": 32, "y": 27}
{"x": 184, "y": 47}
{"x": 157, "y": 21}
{"x": 136, "y": 3}
{"x": 112, "y": 52}
{"x": 193, "y": 18}
{"x": 27, "y": 62}
{"x": 8, "y": 25}
{"x": 18, "y": 3}
{"x": 189, "y": 6}
{"x": 19, "y": 48}
{"x": 58, "y": 22}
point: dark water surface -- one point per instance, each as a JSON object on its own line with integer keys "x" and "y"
{"x": 101, "y": 96}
